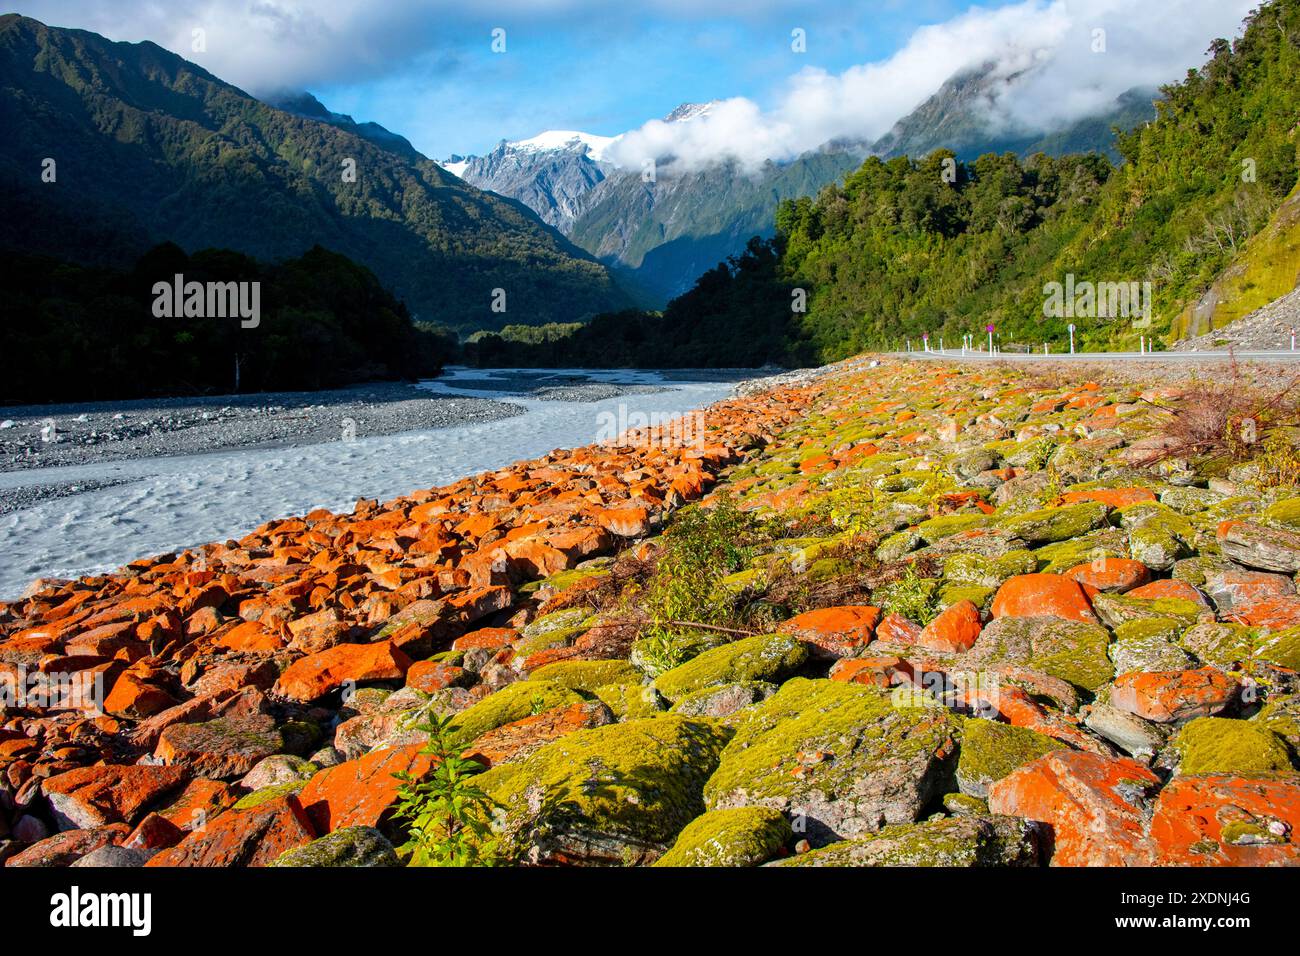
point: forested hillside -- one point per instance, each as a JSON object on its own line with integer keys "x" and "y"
{"x": 73, "y": 332}
{"x": 897, "y": 251}
{"x": 148, "y": 147}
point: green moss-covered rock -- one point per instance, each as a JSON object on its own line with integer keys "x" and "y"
{"x": 1049, "y": 525}
{"x": 563, "y": 580}
{"x": 1158, "y": 536}
{"x": 967, "y": 841}
{"x": 587, "y": 675}
{"x": 767, "y": 657}
{"x": 936, "y": 529}
{"x": 841, "y": 759}
{"x": 1060, "y": 557}
{"x": 349, "y": 846}
{"x": 524, "y": 698}
{"x": 975, "y": 570}
{"x": 1285, "y": 514}
{"x": 565, "y": 621}
{"x": 898, "y": 545}
{"x": 1221, "y": 644}
{"x": 991, "y": 751}
{"x": 723, "y": 700}
{"x": 982, "y": 598}
{"x": 742, "y": 836}
{"x": 1221, "y": 745}
{"x": 259, "y": 797}
{"x": 1150, "y": 644}
{"x": 1281, "y": 648}
{"x": 1281, "y": 715}
{"x": 964, "y": 805}
{"x": 607, "y": 795}
{"x": 631, "y": 701}
{"x": 1074, "y": 651}
{"x": 1115, "y": 609}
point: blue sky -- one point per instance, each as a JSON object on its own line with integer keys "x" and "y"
{"x": 426, "y": 69}
{"x": 615, "y": 73}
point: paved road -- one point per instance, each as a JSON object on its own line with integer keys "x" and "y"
{"x": 1173, "y": 358}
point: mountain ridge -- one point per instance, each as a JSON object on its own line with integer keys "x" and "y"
{"x": 151, "y": 147}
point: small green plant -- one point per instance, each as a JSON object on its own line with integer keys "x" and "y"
{"x": 850, "y": 507}
{"x": 446, "y": 813}
{"x": 912, "y": 597}
{"x": 1279, "y": 463}
{"x": 1042, "y": 454}
{"x": 701, "y": 548}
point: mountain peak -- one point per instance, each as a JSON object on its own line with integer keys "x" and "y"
{"x": 566, "y": 139}
{"x": 689, "y": 111}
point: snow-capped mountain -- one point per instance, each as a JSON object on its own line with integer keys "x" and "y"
{"x": 552, "y": 173}
{"x": 556, "y": 172}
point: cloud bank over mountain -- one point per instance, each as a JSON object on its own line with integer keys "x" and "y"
{"x": 1060, "y": 60}
{"x": 1045, "y": 48}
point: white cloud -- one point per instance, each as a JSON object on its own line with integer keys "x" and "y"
{"x": 1044, "y": 49}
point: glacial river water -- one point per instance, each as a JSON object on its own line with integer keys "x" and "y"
{"x": 177, "y": 502}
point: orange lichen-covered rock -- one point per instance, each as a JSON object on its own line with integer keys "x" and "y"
{"x": 1168, "y": 696}
{"x": 90, "y": 797}
{"x": 1169, "y": 588}
{"x": 1228, "y": 821}
{"x": 1111, "y": 574}
{"x": 135, "y": 696}
{"x": 429, "y": 676}
{"x": 834, "y": 631}
{"x": 1095, "y": 805}
{"x": 360, "y": 792}
{"x": 953, "y": 631}
{"x": 625, "y": 522}
{"x": 317, "y": 674}
{"x": 252, "y": 837}
{"x": 1035, "y": 595}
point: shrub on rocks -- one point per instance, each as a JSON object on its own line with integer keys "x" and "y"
{"x": 742, "y": 836}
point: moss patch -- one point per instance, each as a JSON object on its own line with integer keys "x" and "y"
{"x": 948, "y": 842}
{"x": 1220, "y": 745}
{"x": 587, "y": 675}
{"x": 742, "y": 836}
{"x": 848, "y": 758}
{"x": 991, "y": 750}
{"x": 770, "y": 657}
{"x": 524, "y": 698}
{"x": 614, "y": 794}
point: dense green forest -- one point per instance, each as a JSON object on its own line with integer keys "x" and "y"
{"x": 72, "y": 332}
{"x": 737, "y": 315}
{"x": 908, "y": 246}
